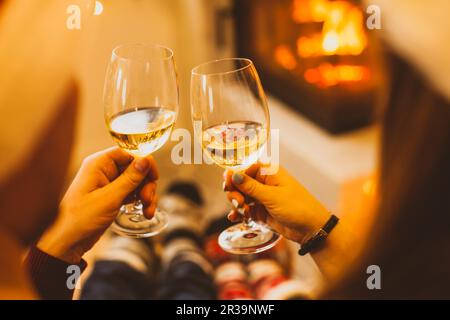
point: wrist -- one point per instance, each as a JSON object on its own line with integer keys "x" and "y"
{"x": 57, "y": 243}
{"x": 317, "y": 240}
{"x": 317, "y": 218}
{"x": 60, "y": 251}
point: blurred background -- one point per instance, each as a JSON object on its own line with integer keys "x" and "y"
{"x": 318, "y": 65}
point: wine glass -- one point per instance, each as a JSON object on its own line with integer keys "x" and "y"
{"x": 141, "y": 107}
{"x": 231, "y": 120}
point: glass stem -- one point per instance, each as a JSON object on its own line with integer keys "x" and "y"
{"x": 137, "y": 204}
{"x": 248, "y": 221}
{"x": 137, "y": 208}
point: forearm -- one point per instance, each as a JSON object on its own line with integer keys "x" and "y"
{"x": 344, "y": 244}
{"x": 53, "y": 260}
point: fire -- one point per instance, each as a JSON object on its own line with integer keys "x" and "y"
{"x": 327, "y": 75}
{"x": 330, "y": 42}
{"x": 342, "y": 32}
{"x": 285, "y": 57}
{"x": 310, "y": 10}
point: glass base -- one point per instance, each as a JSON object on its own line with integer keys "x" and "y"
{"x": 248, "y": 238}
{"x": 131, "y": 223}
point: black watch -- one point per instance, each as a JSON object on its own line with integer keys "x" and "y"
{"x": 319, "y": 237}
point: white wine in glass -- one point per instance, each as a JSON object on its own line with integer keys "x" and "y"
{"x": 141, "y": 107}
{"x": 231, "y": 119}
{"x": 234, "y": 145}
{"x": 142, "y": 131}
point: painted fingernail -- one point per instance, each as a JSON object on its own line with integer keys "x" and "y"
{"x": 237, "y": 178}
{"x": 142, "y": 165}
{"x": 241, "y": 211}
{"x": 235, "y": 203}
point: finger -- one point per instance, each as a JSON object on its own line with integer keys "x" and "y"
{"x": 120, "y": 157}
{"x": 130, "y": 179}
{"x": 123, "y": 159}
{"x": 147, "y": 193}
{"x": 108, "y": 162}
{"x": 153, "y": 173}
{"x": 149, "y": 211}
{"x": 245, "y": 210}
{"x": 234, "y": 216}
{"x": 228, "y": 184}
{"x": 253, "y": 170}
{"x": 236, "y": 199}
{"x": 251, "y": 187}
{"x": 261, "y": 177}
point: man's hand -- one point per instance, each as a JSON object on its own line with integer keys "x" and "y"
{"x": 104, "y": 181}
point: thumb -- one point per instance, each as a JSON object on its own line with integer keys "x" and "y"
{"x": 251, "y": 187}
{"x": 130, "y": 179}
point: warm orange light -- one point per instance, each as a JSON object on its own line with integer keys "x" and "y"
{"x": 331, "y": 42}
{"x": 285, "y": 57}
{"x": 369, "y": 187}
{"x": 328, "y": 75}
{"x": 342, "y": 33}
{"x": 343, "y": 29}
{"x": 308, "y": 46}
{"x": 309, "y": 11}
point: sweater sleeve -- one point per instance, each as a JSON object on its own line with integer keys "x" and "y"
{"x": 53, "y": 278}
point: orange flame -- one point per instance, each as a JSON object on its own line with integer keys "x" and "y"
{"x": 310, "y": 11}
{"x": 343, "y": 29}
{"x": 342, "y": 33}
{"x": 327, "y": 75}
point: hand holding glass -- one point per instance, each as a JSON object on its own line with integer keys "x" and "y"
{"x": 141, "y": 107}
{"x": 231, "y": 119}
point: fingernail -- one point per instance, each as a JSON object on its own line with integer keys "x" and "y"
{"x": 237, "y": 178}
{"x": 241, "y": 211}
{"x": 142, "y": 165}
{"x": 235, "y": 203}
{"x": 224, "y": 186}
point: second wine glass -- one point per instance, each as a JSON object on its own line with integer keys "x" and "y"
{"x": 141, "y": 107}
{"x": 231, "y": 120}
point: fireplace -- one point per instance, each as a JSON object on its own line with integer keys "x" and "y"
{"x": 315, "y": 55}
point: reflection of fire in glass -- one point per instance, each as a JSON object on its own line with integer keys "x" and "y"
{"x": 342, "y": 34}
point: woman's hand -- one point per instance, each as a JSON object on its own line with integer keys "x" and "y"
{"x": 280, "y": 201}
{"x": 104, "y": 181}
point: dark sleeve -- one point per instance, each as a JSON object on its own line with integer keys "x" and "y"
{"x": 49, "y": 275}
